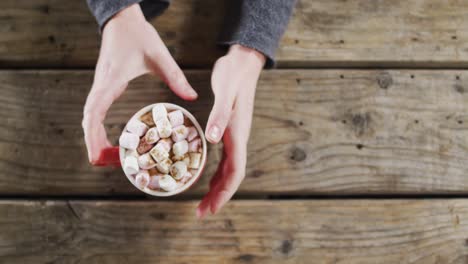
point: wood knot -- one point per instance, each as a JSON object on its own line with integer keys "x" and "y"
{"x": 361, "y": 123}
{"x": 459, "y": 88}
{"x": 384, "y": 80}
{"x": 286, "y": 247}
{"x": 158, "y": 216}
{"x": 229, "y": 225}
{"x": 246, "y": 258}
{"x": 298, "y": 154}
{"x": 257, "y": 173}
{"x": 51, "y": 39}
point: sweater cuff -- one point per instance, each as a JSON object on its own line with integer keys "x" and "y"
{"x": 257, "y": 24}
{"x": 103, "y": 10}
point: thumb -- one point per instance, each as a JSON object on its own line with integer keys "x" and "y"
{"x": 219, "y": 117}
{"x": 97, "y": 104}
{"x": 162, "y": 64}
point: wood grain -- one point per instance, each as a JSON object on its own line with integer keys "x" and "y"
{"x": 429, "y": 33}
{"x": 330, "y": 231}
{"x": 314, "y": 132}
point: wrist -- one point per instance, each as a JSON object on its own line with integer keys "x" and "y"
{"x": 131, "y": 13}
{"x": 248, "y": 56}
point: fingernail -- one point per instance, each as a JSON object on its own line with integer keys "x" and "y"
{"x": 214, "y": 132}
{"x": 192, "y": 93}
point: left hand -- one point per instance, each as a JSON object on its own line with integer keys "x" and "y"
{"x": 234, "y": 80}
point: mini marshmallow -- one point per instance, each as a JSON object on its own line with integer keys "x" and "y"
{"x": 192, "y": 133}
{"x": 147, "y": 118}
{"x": 164, "y": 127}
{"x": 142, "y": 179}
{"x": 166, "y": 143}
{"x": 178, "y": 170}
{"x": 144, "y": 146}
{"x": 159, "y": 112}
{"x": 159, "y": 153}
{"x": 186, "y": 159}
{"x": 136, "y": 127}
{"x": 194, "y": 160}
{"x": 154, "y": 182}
{"x": 152, "y": 135}
{"x": 186, "y": 177}
{"x": 179, "y": 133}
{"x": 129, "y": 141}
{"x": 164, "y": 166}
{"x": 176, "y": 118}
{"x": 130, "y": 152}
{"x": 130, "y": 165}
{"x": 195, "y": 145}
{"x": 180, "y": 148}
{"x": 145, "y": 161}
{"x": 167, "y": 183}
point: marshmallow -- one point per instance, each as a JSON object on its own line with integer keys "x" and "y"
{"x": 154, "y": 182}
{"x": 164, "y": 127}
{"x": 167, "y": 183}
{"x": 130, "y": 152}
{"x": 159, "y": 153}
{"x": 147, "y": 118}
{"x": 192, "y": 133}
{"x": 194, "y": 160}
{"x": 179, "y": 133}
{"x": 142, "y": 179}
{"x": 180, "y": 148}
{"x": 129, "y": 141}
{"x": 130, "y": 165}
{"x": 186, "y": 159}
{"x": 166, "y": 143}
{"x": 164, "y": 166}
{"x": 152, "y": 136}
{"x": 145, "y": 161}
{"x": 136, "y": 127}
{"x": 144, "y": 146}
{"x": 187, "y": 177}
{"x": 195, "y": 145}
{"x": 159, "y": 112}
{"x": 178, "y": 170}
{"x": 176, "y": 118}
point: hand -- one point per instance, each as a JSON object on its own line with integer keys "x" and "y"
{"x": 130, "y": 47}
{"x": 233, "y": 81}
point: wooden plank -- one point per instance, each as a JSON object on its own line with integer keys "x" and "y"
{"x": 429, "y": 33}
{"x": 333, "y": 231}
{"x": 314, "y": 132}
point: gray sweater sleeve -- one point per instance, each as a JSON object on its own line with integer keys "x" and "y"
{"x": 103, "y": 10}
{"x": 257, "y": 24}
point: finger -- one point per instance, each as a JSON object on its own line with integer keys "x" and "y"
{"x": 97, "y": 104}
{"x": 219, "y": 117}
{"x": 219, "y": 171}
{"x": 162, "y": 63}
{"x": 204, "y": 207}
{"x": 95, "y": 139}
{"x": 109, "y": 157}
{"x": 232, "y": 176}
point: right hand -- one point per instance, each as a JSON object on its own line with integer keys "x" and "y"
{"x": 130, "y": 47}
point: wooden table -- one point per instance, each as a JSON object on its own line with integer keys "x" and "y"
{"x": 368, "y": 162}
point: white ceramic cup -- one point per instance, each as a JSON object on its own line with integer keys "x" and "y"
{"x": 187, "y": 185}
